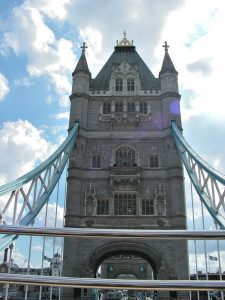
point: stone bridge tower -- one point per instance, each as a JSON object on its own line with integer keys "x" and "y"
{"x": 125, "y": 171}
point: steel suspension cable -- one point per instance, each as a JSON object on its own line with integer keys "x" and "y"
{"x": 43, "y": 248}
{"x": 219, "y": 260}
{"x": 64, "y": 210}
{"x": 205, "y": 247}
{"x": 28, "y": 263}
{"x": 55, "y": 223}
{"x": 31, "y": 238}
{"x": 9, "y": 270}
{"x": 195, "y": 247}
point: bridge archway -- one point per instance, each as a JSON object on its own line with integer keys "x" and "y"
{"x": 142, "y": 250}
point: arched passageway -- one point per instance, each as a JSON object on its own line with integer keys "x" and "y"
{"x": 140, "y": 254}
{"x": 125, "y": 264}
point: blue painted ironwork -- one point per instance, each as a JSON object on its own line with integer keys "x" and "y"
{"x": 53, "y": 168}
{"x": 208, "y": 182}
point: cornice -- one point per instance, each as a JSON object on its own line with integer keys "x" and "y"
{"x": 170, "y": 94}
{"x": 80, "y": 95}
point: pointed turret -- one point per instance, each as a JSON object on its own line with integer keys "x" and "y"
{"x": 82, "y": 65}
{"x": 81, "y": 74}
{"x": 169, "y": 88}
{"x": 168, "y": 73}
{"x": 167, "y": 65}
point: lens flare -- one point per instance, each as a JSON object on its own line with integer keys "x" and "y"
{"x": 175, "y": 107}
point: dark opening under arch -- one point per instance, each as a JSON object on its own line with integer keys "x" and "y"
{"x": 130, "y": 248}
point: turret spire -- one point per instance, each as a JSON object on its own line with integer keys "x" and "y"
{"x": 83, "y": 47}
{"x": 166, "y": 46}
{"x": 82, "y": 65}
{"x": 167, "y": 65}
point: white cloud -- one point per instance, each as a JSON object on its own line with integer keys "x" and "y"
{"x": 22, "y": 146}
{"x": 53, "y": 9}
{"x": 37, "y": 248}
{"x": 4, "y": 87}
{"x": 49, "y": 99}
{"x": 93, "y": 38}
{"x": 63, "y": 115}
{"x": 25, "y": 81}
{"x": 46, "y": 54}
{"x": 51, "y": 215}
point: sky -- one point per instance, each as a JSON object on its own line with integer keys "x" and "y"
{"x": 40, "y": 46}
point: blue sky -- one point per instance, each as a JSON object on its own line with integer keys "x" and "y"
{"x": 39, "y": 48}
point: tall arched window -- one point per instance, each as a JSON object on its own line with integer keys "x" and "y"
{"x": 102, "y": 207}
{"x": 118, "y": 107}
{"x": 96, "y": 161}
{"x": 131, "y": 107}
{"x": 154, "y": 161}
{"x": 125, "y": 157}
{"x": 147, "y": 207}
{"x": 125, "y": 204}
{"x": 143, "y": 108}
{"x": 161, "y": 205}
{"x": 106, "y": 108}
{"x": 130, "y": 84}
{"x": 119, "y": 84}
{"x": 89, "y": 205}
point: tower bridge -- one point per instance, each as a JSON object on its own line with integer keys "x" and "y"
{"x": 125, "y": 213}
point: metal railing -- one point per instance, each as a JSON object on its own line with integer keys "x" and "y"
{"x": 114, "y": 233}
{"x": 161, "y": 285}
{"x": 145, "y": 285}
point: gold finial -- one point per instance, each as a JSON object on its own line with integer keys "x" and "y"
{"x": 124, "y": 42}
{"x": 166, "y": 46}
{"x": 83, "y": 47}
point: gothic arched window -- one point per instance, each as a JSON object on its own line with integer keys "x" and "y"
{"x": 125, "y": 204}
{"x": 106, "y": 108}
{"x": 102, "y": 207}
{"x": 131, "y": 107}
{"x": 143, "y": 108}
{"x": 96, "y": 161}
{"x": 118, "y": 107}
{"x": 89, "y": 205}
{"x": 154, "y": 161}
{"x": 161, "y": 205}
{"x": 119, "y": 84}
{"x": 147, "y": 207}
{"x": 125, "y": 157}
{"x": 130, "y": 84}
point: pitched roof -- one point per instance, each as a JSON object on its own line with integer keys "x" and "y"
{"x": 167, "y": 64}
{"x": 128, "y": 53}
{"x": 82, "y": 65}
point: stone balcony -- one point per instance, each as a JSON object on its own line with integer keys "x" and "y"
{"x": 125, "y": 178}
{"x": 125, "y": 171}
{"x": 125, "y": 117}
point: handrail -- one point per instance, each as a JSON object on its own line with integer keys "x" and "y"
{"x": 114, "y": 233}
{"x": 124, "y": 284}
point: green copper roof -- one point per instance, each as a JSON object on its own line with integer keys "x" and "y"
{"x": 148, "y": 81}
